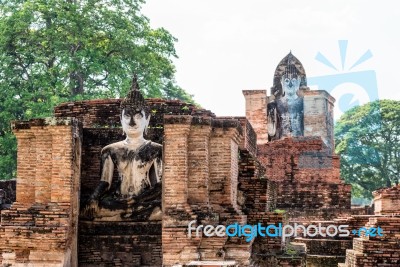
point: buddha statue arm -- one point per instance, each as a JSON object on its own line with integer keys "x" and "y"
{"x": 272, "y": 123}
{"x": 92, "y": 205}
{"x": 158, "y": 169}
{"x": 107, "y": 170}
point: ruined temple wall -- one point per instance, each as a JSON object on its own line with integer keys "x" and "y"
{"x": 254, "y": 188}
{"x": 378, "y": 250}
{"x": 40, "y": 228}
{"x": 199, "y": 183}
{"x": 120, "y": 244}
{"x": 105, "y": 113}
{"x": 306, "y": 176}
{"x": 387, "y": 200}
{"x": 304, "y": 159}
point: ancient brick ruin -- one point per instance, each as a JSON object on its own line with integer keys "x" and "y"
{"x": 275, "y": 165}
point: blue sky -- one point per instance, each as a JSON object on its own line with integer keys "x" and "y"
{"x": 226, "y": 46}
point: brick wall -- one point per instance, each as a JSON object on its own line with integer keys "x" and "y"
{"x": 369, "y": 250}
{"x": 306, "y": 176}
{"x": 106, "y": 112}
{"x": 387, "y": 200}
{"x": 120, "y": 244}
{"x": 201, "y": 169}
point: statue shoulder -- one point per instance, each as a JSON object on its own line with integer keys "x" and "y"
{"x": 150, "y": 151}
{"x": 111, "y": 148}
{"x": 156, "y": 147}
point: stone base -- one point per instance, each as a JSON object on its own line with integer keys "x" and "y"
{"x": 120, "y": 244}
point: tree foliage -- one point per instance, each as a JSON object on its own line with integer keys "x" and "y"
{"x": 53, "y": 51}
{"x": 368, "y": 139}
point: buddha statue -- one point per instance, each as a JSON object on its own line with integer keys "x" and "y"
{"x": 285, "y": 108}
{"x": 136, "y": 194}
{"x": 290, "y": 105}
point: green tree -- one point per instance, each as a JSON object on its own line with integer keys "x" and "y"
{"x": 53, "y": 51}
{"x": 368, "y": 139}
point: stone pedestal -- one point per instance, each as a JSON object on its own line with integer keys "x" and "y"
{"x": 120, "y": 244}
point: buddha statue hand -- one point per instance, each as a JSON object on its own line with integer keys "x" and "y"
{"x": 92, "y": 205}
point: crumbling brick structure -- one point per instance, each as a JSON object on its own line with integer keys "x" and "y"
{"x": 379, "y": 250}
{"x": 217, "y": 171}
{"x": 208, "y": 163}
{"x": 41, "y": 226}
{"x": 306, "y": 177}
{"x": 200, "y": 182}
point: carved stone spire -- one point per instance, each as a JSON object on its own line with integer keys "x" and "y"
{"x": 134, "y": 99}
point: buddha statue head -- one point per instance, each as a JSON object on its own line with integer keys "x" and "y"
{"x": 135, "y": 113}
{"x": 290, "y": 82}
{"x": 289, "y": 77}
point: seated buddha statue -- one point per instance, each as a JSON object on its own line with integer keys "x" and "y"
{"x": 136, "y": 193}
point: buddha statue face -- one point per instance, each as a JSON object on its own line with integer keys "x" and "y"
{"x": 290, "y": 85}
{"x": 134, "y": 122}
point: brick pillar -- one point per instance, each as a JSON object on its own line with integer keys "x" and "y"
{"x": 318, "y": 115}
{"x": 256, "y": 113}
{"x": 49, "y": 152}
{"x": 175, "y": 177}
{"x": 43, "y": 167}
{"x": 198, "y": 160}
{"x": 62, "y": 164}
{"x": 224, "y": 166}
{"x": 26, "y": 167}
{"x": 177, "y": 246}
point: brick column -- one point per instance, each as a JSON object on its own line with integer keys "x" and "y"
{"x": 256, "y": 113}
{"x": 318, "y": 115}
{"x": 26, "y": 167}
{"x": 43, "y": 164}
{"x": 175, "y": 178}
{"x": 224, "y": 166}
{"x": 177, "y": 246}
{"x": 62, "y": 163}
{"x": 198, "y": 160}
{"x": 49, "y": 152}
